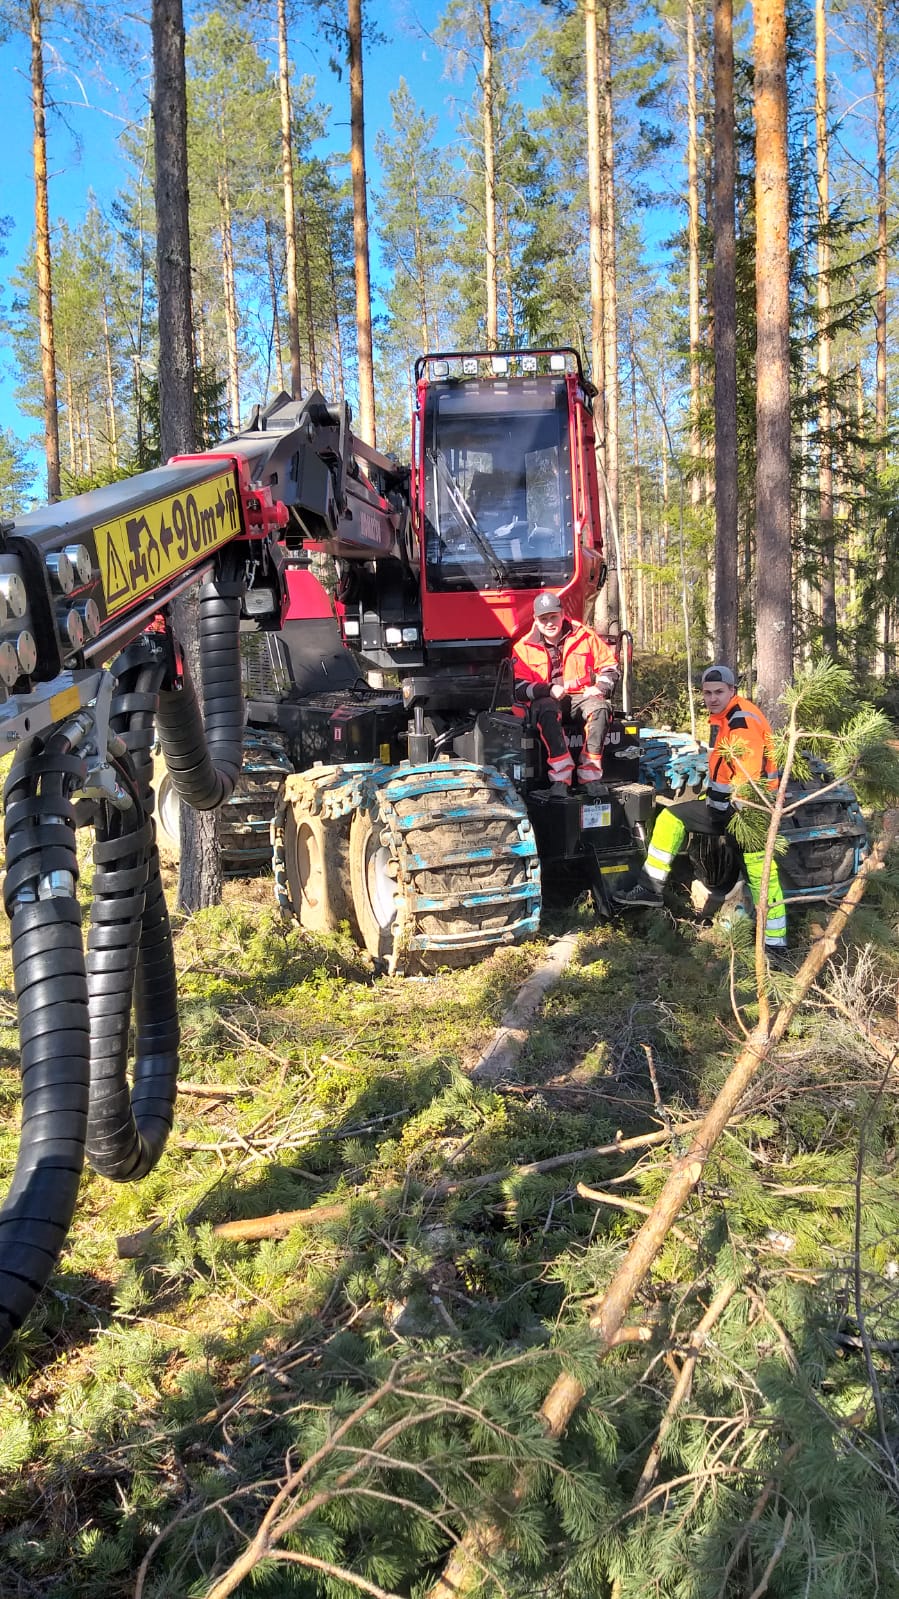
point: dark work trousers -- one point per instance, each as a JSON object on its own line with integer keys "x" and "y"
{"x": 551, "y": 715}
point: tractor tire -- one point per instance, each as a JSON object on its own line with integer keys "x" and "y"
{"x": 443, "y": 866}
{"x": 317, "y": 862}
{"x": 244, "y": 823}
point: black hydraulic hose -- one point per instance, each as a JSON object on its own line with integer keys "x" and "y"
{"x": 130, "y": 956}
{"x": 204, "y": 750}
{"x": 51, "y": 997}
{"x": 130, "y": 953}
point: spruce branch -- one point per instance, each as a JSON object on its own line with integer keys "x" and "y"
{"x": 486, "y": 1537}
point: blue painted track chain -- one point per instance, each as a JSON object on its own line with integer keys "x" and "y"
{"x": 467, "y": 869}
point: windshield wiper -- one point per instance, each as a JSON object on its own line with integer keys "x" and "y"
{"x": 498, "y": 570}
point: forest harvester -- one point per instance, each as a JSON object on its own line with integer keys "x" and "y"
{"x": 419, "y": 811}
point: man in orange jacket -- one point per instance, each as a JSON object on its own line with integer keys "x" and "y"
{"x": 739, "y": 752}
{"x": 565, "y": 671}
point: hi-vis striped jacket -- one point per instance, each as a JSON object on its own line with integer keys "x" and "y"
{"x": 746, "y": 732}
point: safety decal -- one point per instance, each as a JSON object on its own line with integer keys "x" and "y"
{"x": 138, "y": 552}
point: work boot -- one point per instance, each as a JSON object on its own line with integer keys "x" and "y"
{"x": 558, "y": 790}
{"x": 644, "y": 892}
{"x": 596, "y": 789}
{"x": 780, "y": 958}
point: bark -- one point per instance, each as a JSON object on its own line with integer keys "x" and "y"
{"x": 230, "y": 297}
{"x": 825, "y": 449}
{"x": 290, "y": 227}
{"x": 335, "y": 317}
{"x": 774, "y": 639}
{"x": 594, "y": 193}
{"x": 725, "y": 318}
{"x": 111, "y": 424}
{"x": 364, "y": 350}
{"x": 615, "y": 595}
{"x": 693, "y": 251}
{"x": 276, "y": 319}
{"x": 487, "y": 91}
{"x": 314, "y": 375}
{"x": 200, "y": 879}
{"x": 640, "y": 550}
{"x": 43, "y": 255}
{"x": 880, "y": 305}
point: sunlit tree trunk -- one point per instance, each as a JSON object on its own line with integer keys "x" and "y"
{"x": 693, "y": 251}
{"x": 825, "y": 450}
{"x": 230, "y": 298}
{"x": 43, "y": 255}
{"x": 774, "y": 642}
{"x": 314, "y": 375}
{"x": 276, "y": 316}
{"x": 487, "y": 91}
{"x": 335, "y": 314}
{"x": 111, "y": 422}
{"x": 290, "y": 226}
{"x": 616, "y": 595}
{"x": 364, "y": 350}
{"x": 880, "y": 305}
{"x": 594, "y": 193}
{"x": 639, "y": 547}
{"x": 200, "y": 876}
{"x": 725, "y": 321}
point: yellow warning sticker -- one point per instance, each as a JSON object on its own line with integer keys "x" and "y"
{"x": 138, "y": 552}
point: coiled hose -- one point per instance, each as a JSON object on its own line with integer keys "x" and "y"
{"x": 51, "y": 995}
{"x": 204, "y": 749}
{"x": 130, "y": 952}
{"x": 75, "y": 1015}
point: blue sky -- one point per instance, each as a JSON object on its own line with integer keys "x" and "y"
{"x": 93, "y": 110}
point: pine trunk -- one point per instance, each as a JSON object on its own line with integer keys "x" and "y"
{"x": 230, "y": 298}
{"x": 200, "y": 877}
{"x": 364, "y": 349}
{"x": 639, "y": 547}
{"x": 825, "y": 449}
{"x": 290, "y": 227}
{"x": 880, "y": 306}
{"x": 693, "y": 253}
{"x": 276, "y": 318}
{"x": 489, "y": 178}
{"x": 314, "y": 375}
{"x": 43, "y": 255}
{"x": 773, "y": 620}
{"x": 111, "y": 423}
{"x": 725, "y": 319}
{"x": 616, "y": 597}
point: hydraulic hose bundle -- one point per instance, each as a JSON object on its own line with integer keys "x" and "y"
{"x": 204, "y": 750}
{"x": 75, "y": 1014}
{"x": 51, "y": 997}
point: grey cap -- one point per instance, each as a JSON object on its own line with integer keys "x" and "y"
{"x": 719, "y": 674}
{"x": 547, "y": 603}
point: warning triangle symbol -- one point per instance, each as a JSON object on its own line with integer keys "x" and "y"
{"x": 116, "y": 578}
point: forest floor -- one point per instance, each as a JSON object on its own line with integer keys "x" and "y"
{"x": 379, "y": 1367}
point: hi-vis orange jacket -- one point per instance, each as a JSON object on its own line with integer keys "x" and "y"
{"x": 587, "y": 660}
{"x": 747, "y": 734}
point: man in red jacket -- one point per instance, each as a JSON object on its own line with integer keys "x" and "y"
{"x": 566, "y": 672}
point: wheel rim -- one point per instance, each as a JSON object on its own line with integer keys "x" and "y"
{"x": 380, "y": 886}
{"x": 310, "y": 870}
{"x": 168, "y": 813}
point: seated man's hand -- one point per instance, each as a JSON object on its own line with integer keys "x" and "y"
{"x": 557, "y": 691}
